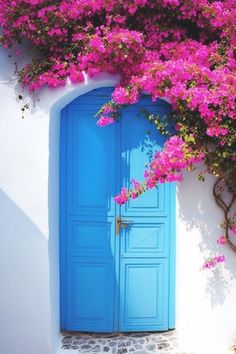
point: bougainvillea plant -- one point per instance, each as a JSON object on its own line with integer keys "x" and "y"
{"x": 181, "y": 49}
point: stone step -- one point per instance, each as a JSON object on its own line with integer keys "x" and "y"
{"x": 122, "y": 343}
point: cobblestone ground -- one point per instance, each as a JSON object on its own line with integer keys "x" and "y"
{"x": 119, "y": 343}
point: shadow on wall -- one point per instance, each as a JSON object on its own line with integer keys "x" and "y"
{"x": 24, "y": 307}
{"x": 197, "y": 209}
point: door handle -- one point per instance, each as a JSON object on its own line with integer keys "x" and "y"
{"x": 125, "y": 223}
{"x": 121, "y": 223}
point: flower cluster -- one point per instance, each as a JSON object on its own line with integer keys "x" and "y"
{"x": 126, "y": 194}
{"x": 233, "y": 229}
{"x": 167, "y": 166}
{"x": 104, "y": 120}
{"x": 222, "y": 240}
{"x": 213, "y": 261}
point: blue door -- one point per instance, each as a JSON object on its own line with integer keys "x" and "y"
{"x": 112, "y": 278}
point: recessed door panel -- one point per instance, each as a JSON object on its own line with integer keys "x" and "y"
{"x": 147, "y": 238}
{"x": 140, "y": 141}
{"x": 90, "y": 294}
{"x": 89, "y": 164}
{"x": 144, "y": 289}
{"x": 91, "y": 237}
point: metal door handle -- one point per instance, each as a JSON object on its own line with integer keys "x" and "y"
{"x": 118, "y": 225}
{"x": 121, "y": 223}
{"x": 125, "y": 223}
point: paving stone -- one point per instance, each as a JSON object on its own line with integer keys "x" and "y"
{"x": 91, "y": 341}
{"x": 154, "y": 339}
{"x": 124, "y": 344}
{"x": 76, "y": 342}
{"x": 122, "y": 351}
{"x": 163, "y": 342}
{"x": 161, "y": 346}
{"x": 151, "y": 347}
{"x": 106, "y": 349}
{"x": 129, "y": 342}
{"x": 102, "y": 341}
{"x": 112, "y": 344}
{"x": 96, "y": 348}
{"x": 86, "y": 346}
{"x": 121, "y": 344}
{"x": 138, "y": 346}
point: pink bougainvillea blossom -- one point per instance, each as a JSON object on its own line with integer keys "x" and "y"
{"x": 216, "y": 131}
{"x": 212, "y": 262}
{"x": 233, "y": 229}
{"x": 166, "y": 166}
{"x": 222, "y": 240}
{"x": 122, "y": 197}
{"x": 104, "y": 120}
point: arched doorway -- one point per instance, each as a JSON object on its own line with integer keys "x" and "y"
{"x": 112, "y": 278}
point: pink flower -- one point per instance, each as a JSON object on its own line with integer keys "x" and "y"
{"x": 216, "y": 131}
{"x": 222, "y": 240}
{"x": 103, "y": 121}
{"x": 134, "y": 194}
{"x": 233, "y": 229}
{"x": 212, "y": 262}
{"x": 135, "y": 183}
{"x": 122, "y": 197}
{"x": 167, "y": 165}
{"x": 76, "y": 76}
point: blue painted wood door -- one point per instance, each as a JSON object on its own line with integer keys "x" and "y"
{"x": 113, "y": 282}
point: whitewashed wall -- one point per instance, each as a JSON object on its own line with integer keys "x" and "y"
{"x": 29, "y": 274}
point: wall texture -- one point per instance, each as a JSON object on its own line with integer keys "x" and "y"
{"x": 29, "y": 273}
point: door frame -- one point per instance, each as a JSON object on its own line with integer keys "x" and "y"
{"x": 62, "y": 227}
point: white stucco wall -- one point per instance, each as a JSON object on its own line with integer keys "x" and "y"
{"x": 29, "y": 274}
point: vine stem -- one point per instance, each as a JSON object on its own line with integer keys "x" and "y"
{"x": 226, "y": 210}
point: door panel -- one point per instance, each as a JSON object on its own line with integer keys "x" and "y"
{"x": 90, "y": 294}
{"x": 87, "y": 147}
{"x": 139, "y": 142}
{"x": 91, "y": 237}
{"x": 113, "y": 282}
{"x": 145, "y": 239}
{"x": 143, "y": 294}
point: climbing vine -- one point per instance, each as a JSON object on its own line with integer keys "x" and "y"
{"x": 218, "y": 192}
{"x": 181, "y": 49}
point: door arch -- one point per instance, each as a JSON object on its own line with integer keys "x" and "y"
{"x": 113, "y": 282}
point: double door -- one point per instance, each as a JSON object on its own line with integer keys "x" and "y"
{"x": 116, "y": 263}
